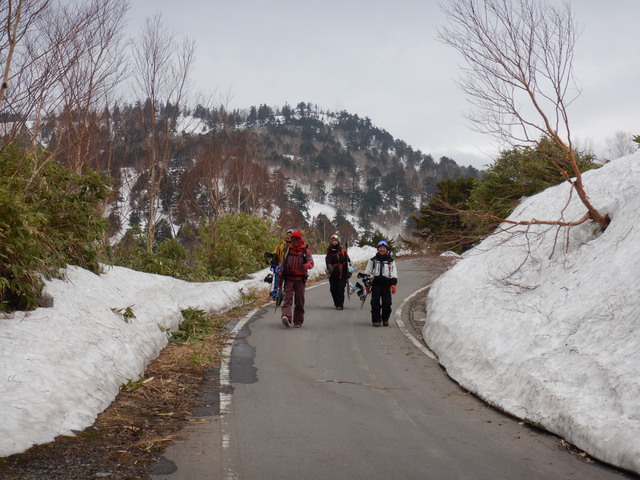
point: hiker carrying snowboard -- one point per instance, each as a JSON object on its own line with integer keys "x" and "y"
{"x": 337, "y": 261}
{"x": 296, "y": 263}
{"x": 278, "y": 253}
{"x": 384, "y": 278}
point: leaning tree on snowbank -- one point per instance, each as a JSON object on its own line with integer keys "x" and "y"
{"x": 519, "y": 78}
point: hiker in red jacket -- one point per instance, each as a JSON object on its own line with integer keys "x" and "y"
{"x": 296, "y": 263}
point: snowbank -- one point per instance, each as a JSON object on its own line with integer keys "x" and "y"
{"x": 547, "y": 326}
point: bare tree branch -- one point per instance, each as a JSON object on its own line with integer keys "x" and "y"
{"x": 162, "y": 71}
{"x": 88, "y": 86}
{"x": 519, "y": 73}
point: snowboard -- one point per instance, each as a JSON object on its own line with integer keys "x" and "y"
{"x": 278, "y": 280}
{"x": 350, "y": 288}
{"x": 275, "y": 279}
{"x": 363, "y": 291}
{"x": 276, "y": 293}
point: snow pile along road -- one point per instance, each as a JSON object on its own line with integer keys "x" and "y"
{"x": 546, "y": 326}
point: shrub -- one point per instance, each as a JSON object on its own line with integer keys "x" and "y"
{"x": 235, "y": 246}
{"x": 516, "y": 174}
{"x": 441, "y": 222}
{"x": 196, "y": 324}
{"x": 49, "y": 217}
{"x": 169, "y": 257}
{"x": 464, "y": 211}
{"x": 230, "y": 249}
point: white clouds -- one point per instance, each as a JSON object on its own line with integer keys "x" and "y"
{"x": 382, "y": 61}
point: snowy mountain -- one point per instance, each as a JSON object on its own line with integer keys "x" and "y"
{"x": 284, "y": 163}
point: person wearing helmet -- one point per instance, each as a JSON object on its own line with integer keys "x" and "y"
{"x": 384, "y": 278}
{"x": 337, "y": 261}
{"x": 296, "y": 263}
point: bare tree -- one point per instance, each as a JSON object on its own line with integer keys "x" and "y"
{"x": 248, "y": 178}
{"x": 60, "y": 64}
{"x": 19, "y": 93}
{"x": 229, "y": 176}
{"x": 619, "y": 145}
{"x": 87, "y": 88}
{"x": 162, "y": 70}
{"x": 519, "y": 75}
{"x": 17, "y": 17}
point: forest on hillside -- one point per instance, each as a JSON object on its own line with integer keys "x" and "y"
{"x": 272, "y": 164}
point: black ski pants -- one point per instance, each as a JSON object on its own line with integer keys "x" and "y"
{"x": 336, "y": 287}
{"x": 380, "y": 302}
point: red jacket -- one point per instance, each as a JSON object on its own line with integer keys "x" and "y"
{"x": 297, "y": 262}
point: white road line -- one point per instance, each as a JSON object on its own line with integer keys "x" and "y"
{"x": 225, "y": 396}
{"x": 398, "y": 317}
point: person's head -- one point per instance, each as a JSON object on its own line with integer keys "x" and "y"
{"x": 288, "y": 235}
{"x": 335, "y": 240}
{"x": 383, "y": 247}
{"x": 296, "y": 237}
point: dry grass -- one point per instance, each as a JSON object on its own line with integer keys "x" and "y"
{"x": 141, "y": 422}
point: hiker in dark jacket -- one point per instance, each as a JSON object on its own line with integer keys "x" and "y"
{"x": 337, "y": 261}
{"x": 296, "y": 263}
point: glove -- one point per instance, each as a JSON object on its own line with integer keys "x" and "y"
{"x": 307, "y": 266}
{"x": 329, "y": 269}
{"x": 393, "y": 289}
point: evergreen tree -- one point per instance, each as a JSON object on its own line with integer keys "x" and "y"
{"x": 372, "y": 202}
{"x": 519, "y": 173}
{"x": 287, "y": 113}
{"x": 322, "y": 229}
{"x": 345, "y": 228}
{"x": 355, "y": 195}
{"x": 441, "y": 223}
{"x": 265, "y": 114}
{"x": 321, "y": 192}
{"x": 252, "y": 118}
{"x": 299, "y": 199}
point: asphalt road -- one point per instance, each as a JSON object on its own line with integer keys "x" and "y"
{"x": 340, "y": 399}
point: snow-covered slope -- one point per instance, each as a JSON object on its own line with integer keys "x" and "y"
{"x": 546, "y": 326}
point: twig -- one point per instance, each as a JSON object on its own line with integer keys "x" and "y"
{"x": 359, "y": 383}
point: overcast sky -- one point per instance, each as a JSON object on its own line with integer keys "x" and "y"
{"x": 381, "y": 60}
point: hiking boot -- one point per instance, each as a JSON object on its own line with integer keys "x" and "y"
{"x": 285, "y": 321}
{"x": 376, "y": 324}
{"x": 385, "y": 324}
{"x": 298, "y": 325}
